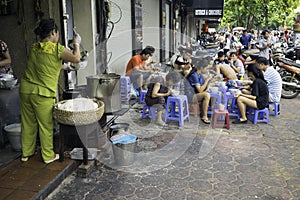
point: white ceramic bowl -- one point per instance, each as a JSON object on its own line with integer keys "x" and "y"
{"x": 175, "y": 93}
{"x": 235, "y": 91}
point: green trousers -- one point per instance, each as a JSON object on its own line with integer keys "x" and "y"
{"x": 37, "y": 117}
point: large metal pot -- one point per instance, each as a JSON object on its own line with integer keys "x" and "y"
{"x": 105, "y": 87}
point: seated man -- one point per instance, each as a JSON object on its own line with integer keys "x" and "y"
{"x": 223, "y": 67}
{"x": 237, "y": 65}
{"x": 273, "y": 79}
{"x": 137, "y": 70}
{"x": 196, "y": 90}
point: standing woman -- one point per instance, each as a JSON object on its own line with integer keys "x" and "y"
{"x": 38, "y": 89}
{"x": 258, "y": 97}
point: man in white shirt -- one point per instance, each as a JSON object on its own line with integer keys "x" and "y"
{"x": 273, "y": 79}
{"x": 264, "y": 45}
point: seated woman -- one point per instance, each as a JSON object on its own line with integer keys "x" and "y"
{"x": 158, "y": 92}
{"x": 259, "y": 96}
{"x": 196, "y": 90}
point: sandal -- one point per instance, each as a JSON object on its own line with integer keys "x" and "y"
{"x": 53, "y": 159}
{"x": 205, "y": 121}
{"x": 25, "y": 159}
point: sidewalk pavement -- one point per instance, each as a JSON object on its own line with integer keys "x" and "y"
{"x": 197, "y": 162}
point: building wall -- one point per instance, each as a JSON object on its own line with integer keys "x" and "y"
{"x": 151, "y": 30}
{"x": 119, "y": 45}
{"x": 17, "y": 31}
{"x": 85, "y": 26}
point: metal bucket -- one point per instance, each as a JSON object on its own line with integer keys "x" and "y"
{"x": 105, "y": 87}
{"x": 124, "y": 152}
{"x": 13, "y": 132}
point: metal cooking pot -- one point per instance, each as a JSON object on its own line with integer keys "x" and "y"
{"x": 105, "y": 87}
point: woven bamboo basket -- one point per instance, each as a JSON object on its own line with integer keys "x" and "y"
{"x": 78, "y": 118}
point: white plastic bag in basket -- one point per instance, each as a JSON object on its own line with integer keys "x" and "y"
{"x": 78, "y": 104}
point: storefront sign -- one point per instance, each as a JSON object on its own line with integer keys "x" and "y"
{"x": 208, "y": 13}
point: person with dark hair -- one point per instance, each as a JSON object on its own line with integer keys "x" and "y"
{"x": 140, "y": 74}
{"x": 38, "y": 88}
{"x": 195, "y": 89}
{"x": 237, "y": 65}
{"x": 150, "y": 61}
{"x": 257, "y": 98}
{"x": 223, "y": 67}
{"x": 245, "y": 39}
{"x": 158, "y": 92}
{"x": 264, "y": 45}
{"x": 5, "y": 59}
{"x": 273, "y": 79}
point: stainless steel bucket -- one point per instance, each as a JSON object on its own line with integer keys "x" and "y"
{"x": 105, "y": 87}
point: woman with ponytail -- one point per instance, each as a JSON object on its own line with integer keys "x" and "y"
{"x": 38, "y": 89}
{"x": 259, "y": 96}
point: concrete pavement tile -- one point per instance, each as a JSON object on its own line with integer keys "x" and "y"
{"x": 224, "y": 188}
{"x": 173, "y": 194}
{"x": 250, "y": 177}
{"x": 147, "y": 192}
{"x": 199, "y": 195}
{"x": 244, "y": 160}
{"x": 222, "y": 166}
{"x": 200, "y": 185}
{"x": 225, "y": 196}
{"x": 121, "y": 189}
{"x": 227, "y": 177}
{"x": 179, "y": 173}
{"x": 129, "y": 178}
{"x": 175, "y": 183}
{"x": 278, "y": 192}
{"x": 152, "y": 180}
{"x": 250, "y": 191}
{"x": 296, "y": 193}
{"x": 201, "y": 164}
{"x": 200, "y": 173}
{"x": 273, "y": 181}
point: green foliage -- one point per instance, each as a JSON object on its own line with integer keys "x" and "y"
{"x": 259, "y": 14}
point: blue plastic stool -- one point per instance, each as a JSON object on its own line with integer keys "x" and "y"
{"x": 259, "y": 115}
{"x": 142, "y": 96}
{"x": 149, "y": 111}
{"x": 183, "y": 109}
{"x": 276, "y": 106}
{"x": 233, "y": 109}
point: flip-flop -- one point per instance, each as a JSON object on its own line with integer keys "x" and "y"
{"x": 205, "y": 121}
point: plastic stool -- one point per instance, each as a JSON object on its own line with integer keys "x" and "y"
{"x": 218, "y": 97}
{"x": 259, "y": 115}
{"x": 142, "y": 96}
{"x": 183, "y": 109}
{"x": 149, "y": 111}
{"x": 276, "y": 106}
{"x": 233, "y": 109}
{"x": 220, "y": 114}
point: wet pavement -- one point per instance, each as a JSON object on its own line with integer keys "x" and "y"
{"x": 197, "y": 162}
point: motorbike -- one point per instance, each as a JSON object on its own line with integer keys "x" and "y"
{"x": 290, "y": 74}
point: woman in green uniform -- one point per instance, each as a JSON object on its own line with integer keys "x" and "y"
{"x": 38, "y": 89}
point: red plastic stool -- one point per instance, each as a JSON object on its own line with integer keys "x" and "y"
{"x": 219, "y": 114}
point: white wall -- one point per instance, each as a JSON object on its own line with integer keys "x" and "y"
{"x": 120, "y": 42}
{"x": 85, "y": 26}
{"x": 151, "y": 25}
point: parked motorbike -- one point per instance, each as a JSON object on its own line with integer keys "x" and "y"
{"x": 290, "y": 74}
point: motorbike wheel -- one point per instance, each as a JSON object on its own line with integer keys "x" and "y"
{"x": 288, "y": 92}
